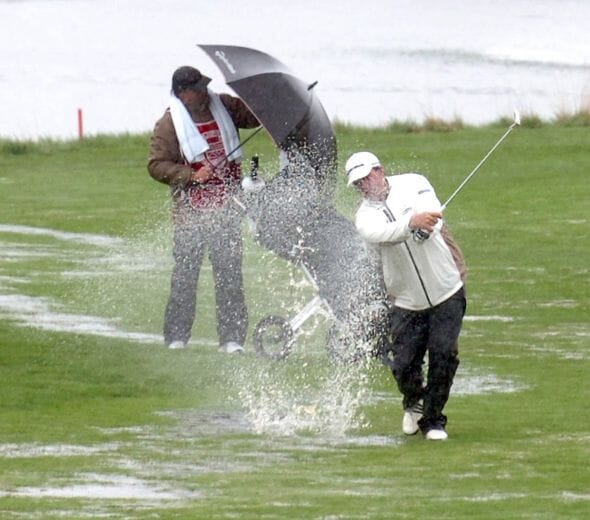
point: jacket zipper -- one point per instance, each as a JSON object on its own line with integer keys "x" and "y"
{"x": 391, "y": 218}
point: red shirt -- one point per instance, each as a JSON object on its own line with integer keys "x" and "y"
{"x": 215, "y": 192}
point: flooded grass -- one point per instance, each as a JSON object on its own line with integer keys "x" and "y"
{"x": 98, "y": 420}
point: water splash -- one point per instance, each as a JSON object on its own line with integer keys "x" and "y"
{"x": 316, "y": 399}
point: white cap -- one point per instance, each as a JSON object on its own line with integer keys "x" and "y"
{"x": 359, "y": 165}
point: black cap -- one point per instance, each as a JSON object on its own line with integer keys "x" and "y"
{"x": 186, "y": 77}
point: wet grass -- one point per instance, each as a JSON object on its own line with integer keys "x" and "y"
{"x": 95, "y": 426}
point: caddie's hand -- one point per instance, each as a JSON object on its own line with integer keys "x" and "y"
{"x": 426, "y": 220}
{"x": 203, "y": 174}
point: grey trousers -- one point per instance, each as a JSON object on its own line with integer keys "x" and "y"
{"x": 436, "y": 331}
{"x": 217, "y": 232}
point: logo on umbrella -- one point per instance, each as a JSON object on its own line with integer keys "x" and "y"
{"x": 221, "y": 55}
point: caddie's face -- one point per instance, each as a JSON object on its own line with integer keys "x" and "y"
{"x": 374, "y": 186}
{"x": 194, "y": 100}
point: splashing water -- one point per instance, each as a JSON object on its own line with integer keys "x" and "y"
{"x": 295, "y": 220}
{"x": 277, "y": 403}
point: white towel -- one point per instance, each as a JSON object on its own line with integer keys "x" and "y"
{"x": 192, "y": 144}
{"x": 229, "y": 134}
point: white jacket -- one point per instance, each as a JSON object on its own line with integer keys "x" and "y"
{"x": 418, "y": 275}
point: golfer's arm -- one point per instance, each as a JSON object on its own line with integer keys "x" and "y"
{"x": 426, "y": 199}
{"x": 379, "y": 231}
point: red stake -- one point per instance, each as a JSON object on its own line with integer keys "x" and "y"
{"x": 80, "y": 125}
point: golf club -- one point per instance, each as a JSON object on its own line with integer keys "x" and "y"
{"x": 421, "y": 235}
{"x": 460, "y": 187}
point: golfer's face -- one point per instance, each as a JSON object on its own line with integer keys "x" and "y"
{"x": 374, "y": 186}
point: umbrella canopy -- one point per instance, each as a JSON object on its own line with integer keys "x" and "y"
{"x": 284, "y": 104}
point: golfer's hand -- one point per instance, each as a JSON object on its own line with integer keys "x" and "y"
{"x": 203, "y": 174}
{"x": 426, "y": 220}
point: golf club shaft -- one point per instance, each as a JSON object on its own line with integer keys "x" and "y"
{"x": 444, "y": 206}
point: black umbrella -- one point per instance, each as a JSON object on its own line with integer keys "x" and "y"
{"x": 285, "y": 105}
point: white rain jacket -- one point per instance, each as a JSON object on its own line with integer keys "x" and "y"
{"x": 418, "y": 275}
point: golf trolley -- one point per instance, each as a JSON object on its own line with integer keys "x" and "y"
{"x": 274, "y": 336}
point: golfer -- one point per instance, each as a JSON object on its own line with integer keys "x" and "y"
{"x": 423, "y": 269}
{"x": 195, "y": 149}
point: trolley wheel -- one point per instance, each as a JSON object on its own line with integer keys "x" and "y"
{"x": 273, "y": 337}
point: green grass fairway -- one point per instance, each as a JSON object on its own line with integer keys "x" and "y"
{"x": 99, "y": 420}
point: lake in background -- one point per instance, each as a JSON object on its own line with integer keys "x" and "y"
{"x": 375, "y": 60}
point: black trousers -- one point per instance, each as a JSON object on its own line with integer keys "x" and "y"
{"x": 413, "y": 334}
{"x": 219, "y": 233}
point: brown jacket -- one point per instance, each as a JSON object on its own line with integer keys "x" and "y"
{"x": 166, "y": 163}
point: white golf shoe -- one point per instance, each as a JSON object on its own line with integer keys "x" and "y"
{"x": 231, "y": 347}
{"x": 411, "y": 417}
{"x": 437, "y": 434}
{"x": 175, "y": 345}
